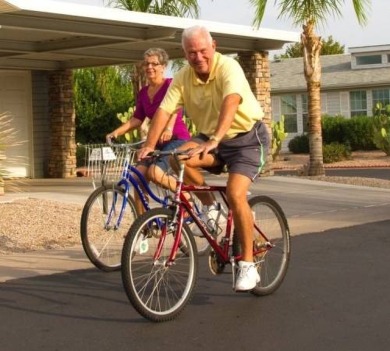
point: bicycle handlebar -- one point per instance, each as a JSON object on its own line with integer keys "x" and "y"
{"x": 174, "y": 152}
{"x": 111, "y": 143}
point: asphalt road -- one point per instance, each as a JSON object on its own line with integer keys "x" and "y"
{"x": 335, "y": 297}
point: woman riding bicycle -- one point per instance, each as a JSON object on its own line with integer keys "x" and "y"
{"x": 149, "y": 98}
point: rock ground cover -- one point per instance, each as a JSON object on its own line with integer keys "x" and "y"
{"x": 25, "y": 225}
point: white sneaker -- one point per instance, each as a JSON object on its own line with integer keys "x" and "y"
{"x": 210, "y": 215}
{"x": 247, "y": 276}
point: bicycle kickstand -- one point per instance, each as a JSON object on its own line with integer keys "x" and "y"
{"x": 233, "y": 264}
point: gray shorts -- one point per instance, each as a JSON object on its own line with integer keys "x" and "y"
{"x": 245, "y": 154}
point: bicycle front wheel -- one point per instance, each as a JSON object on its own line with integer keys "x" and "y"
{"x": 102, "y": 231}
{"x": 158, "y": 289}
{"x": 272, "y": 247}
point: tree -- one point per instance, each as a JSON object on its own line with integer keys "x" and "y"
{"x": 99, "y": 94}
{"x": 329, "y": 47}
{"x": 176, "y": 8}
{"x": 309, "y": 14}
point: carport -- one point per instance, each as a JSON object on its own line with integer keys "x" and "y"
{"x": 41, "y": 41}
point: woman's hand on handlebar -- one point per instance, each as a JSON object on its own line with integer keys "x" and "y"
{"x": 144, "y": 152}
{"x": 109, "y": 137}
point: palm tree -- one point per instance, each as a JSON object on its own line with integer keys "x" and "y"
{"x": 176, "y": 8}
{"x": 308, "y": 14}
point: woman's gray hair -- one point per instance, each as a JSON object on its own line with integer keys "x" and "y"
{"x": 193, "y": 31}
{"x": 161, "y": 54}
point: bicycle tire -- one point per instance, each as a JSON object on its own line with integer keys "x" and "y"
{"x": 102, "y": 241}
{"x": 158, "y": 292}
{"x": 271, "y": 264}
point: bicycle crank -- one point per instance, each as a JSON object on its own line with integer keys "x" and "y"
{"x": 215, "y": 265}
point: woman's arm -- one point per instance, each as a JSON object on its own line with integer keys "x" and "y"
{"x": 131, "y": 124}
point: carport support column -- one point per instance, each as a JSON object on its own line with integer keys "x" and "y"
{"x": 62, "y": 162}
{"x": 257, "y": 70}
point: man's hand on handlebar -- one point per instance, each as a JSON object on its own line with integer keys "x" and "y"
{"x": 203, "y": 148}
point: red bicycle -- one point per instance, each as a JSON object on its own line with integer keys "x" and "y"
{"x": 160, "y": 260}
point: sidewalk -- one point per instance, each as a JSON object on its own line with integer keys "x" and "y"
{"x": 310, "y": 206}
{"x": 360, "y": 159}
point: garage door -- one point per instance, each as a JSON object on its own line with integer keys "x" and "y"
{"x": 15, "y": 98}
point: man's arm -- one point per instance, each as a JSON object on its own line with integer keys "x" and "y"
{"x": 167, "y": 133}
{"x": 226, "y": 116}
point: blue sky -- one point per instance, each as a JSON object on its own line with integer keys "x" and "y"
{"x": 345, "y": 30}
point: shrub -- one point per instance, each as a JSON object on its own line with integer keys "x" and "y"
{"x": 81, "y": 151}
{"x": 335, "y": 152}
{"x": 381, "y": 128}
{"x": 333, "y": 129}
{"x": 8, "y": 139}
{"x": 358, "y": 133}
{"x": 299, "y": 144}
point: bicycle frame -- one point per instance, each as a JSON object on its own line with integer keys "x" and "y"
{"x": 182, "y": 205}
{"x": 126, "y": 181}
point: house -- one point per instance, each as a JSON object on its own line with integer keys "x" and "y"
{"x": 42, "y": 41}
{"x": 351, "y": 85}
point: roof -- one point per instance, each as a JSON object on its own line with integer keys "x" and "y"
{"x": 287, "y": 75}
{"x": 47, "y": 35}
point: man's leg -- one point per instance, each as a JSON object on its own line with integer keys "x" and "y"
{"x": 193, "y": 175}
{"x": 237, "y": 190}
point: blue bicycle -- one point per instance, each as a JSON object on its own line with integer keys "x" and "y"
{"x": 110, "y": 210}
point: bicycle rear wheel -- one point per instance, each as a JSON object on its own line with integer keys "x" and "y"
{"x": 273, "y": 253}
{"x": 101, "y": 236}
{"x": 158, "y": 291}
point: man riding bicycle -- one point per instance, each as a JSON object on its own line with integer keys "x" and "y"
{"x": 218, "y": 99}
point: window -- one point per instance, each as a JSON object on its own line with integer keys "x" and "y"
{"x": 289, "y": 111}
{"x": 305, "y": 113}
{"x": 368, "y": 60}
{"x": 358, "y": 101}
{"x": 382, "y": 96}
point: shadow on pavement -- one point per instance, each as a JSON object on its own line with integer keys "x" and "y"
{"x": 335, "y": 297}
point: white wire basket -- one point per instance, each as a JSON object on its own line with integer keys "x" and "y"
{"x": 107, "y": 163}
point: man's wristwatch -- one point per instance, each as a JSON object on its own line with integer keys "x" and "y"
{"x": 213, "y": 137}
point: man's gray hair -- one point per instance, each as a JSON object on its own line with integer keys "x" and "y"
{"x": 193, "y": 31}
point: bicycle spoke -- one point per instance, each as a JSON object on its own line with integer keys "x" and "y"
{"x": 158, "y": 289}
